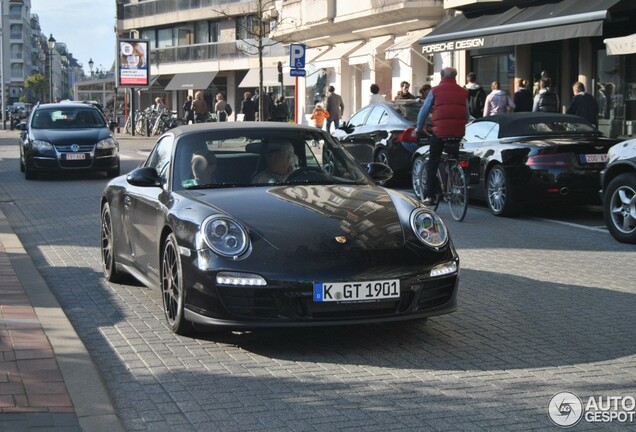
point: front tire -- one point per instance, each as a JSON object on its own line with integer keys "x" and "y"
{"x": 500, "y": 194}
{"x": 29, "y": 173}
{"x": 115, "y": 172}
{"x": 458, "y": 194}
{"x": 619, "y": 208}
{"x": 109, "y": 264}
{"x": 172, "y": 291}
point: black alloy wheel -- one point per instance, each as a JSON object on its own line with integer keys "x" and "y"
{"x": 109, "y": 265}
{"x": 619, "y": 208}
{"x": 172, "y": 291}
{"x": 418, "y": 176}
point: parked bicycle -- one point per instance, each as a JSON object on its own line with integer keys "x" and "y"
{"x": 452, "y": 180}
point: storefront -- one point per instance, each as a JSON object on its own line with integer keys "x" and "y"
{"x": 563, "y": 39}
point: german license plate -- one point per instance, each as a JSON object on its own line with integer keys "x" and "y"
{"x": 356, "y": 291}
{"x": 593, "y": 158}
{"x": 75, "y": 156}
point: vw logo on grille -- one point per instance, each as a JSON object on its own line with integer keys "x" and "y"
{"x": 74, "y": 147}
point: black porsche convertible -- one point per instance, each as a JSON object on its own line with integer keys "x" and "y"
{"x": 231, "y": 241}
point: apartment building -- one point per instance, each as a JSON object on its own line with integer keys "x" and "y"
{"x": 208, "y": 45}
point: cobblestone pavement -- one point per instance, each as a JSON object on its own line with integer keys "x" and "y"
{"x": 543, "y": 308}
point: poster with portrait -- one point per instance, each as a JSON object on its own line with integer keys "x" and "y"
{"x": 133, "y": 67}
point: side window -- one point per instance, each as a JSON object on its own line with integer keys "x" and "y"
{"x": 477, "y": 132}
{"x": 493, "y": 134}
{"x": 377, "y": 115}
{"x": 358, "y": 119}
{"x": 160, "y": 156}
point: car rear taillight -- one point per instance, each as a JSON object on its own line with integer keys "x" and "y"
{"x": 409, "y": 135}
{"x": 464, "y": 164}
{"x": 559, "y": 159}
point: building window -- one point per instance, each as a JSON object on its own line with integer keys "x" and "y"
{"x": 15, "y": 12}
{"x": 165, "y": 38}
{"x": 150, "y": 35}
{"x": 16, "y": 71}
{"x": 248, "y": 27}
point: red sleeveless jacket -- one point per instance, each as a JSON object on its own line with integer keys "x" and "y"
{"x": 449, "y": 109}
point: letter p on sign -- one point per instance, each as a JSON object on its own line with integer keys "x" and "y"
{"x": 297, "y": 56}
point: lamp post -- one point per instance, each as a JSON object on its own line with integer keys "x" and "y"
{"x": 91, "y": 63}
{"x": 51, "y": 43}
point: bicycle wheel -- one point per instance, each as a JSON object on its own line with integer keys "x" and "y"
{"x": 458, "y": 193}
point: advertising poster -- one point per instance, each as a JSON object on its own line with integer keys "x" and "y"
{"x": 133, "y": 67}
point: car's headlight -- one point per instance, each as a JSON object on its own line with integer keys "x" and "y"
{"x": 107, "y": 143}
{"x": 225, "y": 236}
{"x": 429, "y": 228}
{"x": 40, "y": 145}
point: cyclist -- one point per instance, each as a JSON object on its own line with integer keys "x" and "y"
{"x": 447, "y": 102}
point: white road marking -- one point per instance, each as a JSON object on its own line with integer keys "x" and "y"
{"x": 602, "y": 229}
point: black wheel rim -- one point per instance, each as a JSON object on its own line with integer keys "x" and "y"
{"x": 171, "y": 282}
{"x": 107, "y": 241}
{"x": 418, "y": 165}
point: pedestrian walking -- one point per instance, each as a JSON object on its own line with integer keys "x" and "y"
{"x": 200, "y": 108}
{"x": 375, "y": 96}
{"x": 522, "y": 96}
{"x": 319, "y": 115}
{"x": 476, "y": 96}
{"x": 404, "y": 92}
{"x": 248, "y": 107}
{"x": 546, "y": 100}
{"x": 188, "y": 114}
{"x": 335, "y": 108}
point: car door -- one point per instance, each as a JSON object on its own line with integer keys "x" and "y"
{"x": 146, "y": 209}
{"x": 354, "y": 140}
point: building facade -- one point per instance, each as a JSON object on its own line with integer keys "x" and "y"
{"x": 568, "y": 40}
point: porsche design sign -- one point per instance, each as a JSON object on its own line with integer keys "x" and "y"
{"x": 461, "y": 44}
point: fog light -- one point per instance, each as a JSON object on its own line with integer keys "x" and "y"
{"x": 239, "y": 279}
{"x": 444, "y": 269}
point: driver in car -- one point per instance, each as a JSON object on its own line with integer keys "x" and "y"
{"x": 279, "y": 163}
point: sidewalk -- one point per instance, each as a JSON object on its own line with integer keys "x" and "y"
{"x": 48, "y": 381}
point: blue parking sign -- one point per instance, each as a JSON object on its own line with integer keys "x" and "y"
{"x": 297, "y": 56}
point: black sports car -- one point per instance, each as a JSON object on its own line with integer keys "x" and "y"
{"x": 531, "y": 157}
{"x": 383, "y": 132}
{"x": 618, "y": 180}
{"x": 210, "y": 219}
{"x": 67, "y": 136}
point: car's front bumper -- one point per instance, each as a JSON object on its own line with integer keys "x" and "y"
{"x": 290, "y": 302}
{"x": 95, "y": 161}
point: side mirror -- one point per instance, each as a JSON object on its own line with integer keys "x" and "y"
{"x": 144, "y": 177}
{"x": 379, "y": 172}
{"x": 21, "y": 126}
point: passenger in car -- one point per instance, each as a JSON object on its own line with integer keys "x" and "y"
{"x": 203, "y": 168}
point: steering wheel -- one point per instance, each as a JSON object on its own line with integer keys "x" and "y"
{"x": 294, "y": 175}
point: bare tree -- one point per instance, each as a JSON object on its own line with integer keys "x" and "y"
{"x": 257, "y": 25}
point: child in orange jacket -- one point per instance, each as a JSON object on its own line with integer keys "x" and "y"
{"x": 319, "y": 115}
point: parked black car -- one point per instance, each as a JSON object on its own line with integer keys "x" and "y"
{"x": 322, "y": 245}
{"x": 538, "y": 158}
{"x": 67, "y": 137}
{"x": 383, "y": 132}
{"x": 618, "y": 181}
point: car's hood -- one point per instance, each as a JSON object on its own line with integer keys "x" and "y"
{"x": 625, "y": 150}
{"x": 70, "y": 136}
{"x": 301, "y": 218}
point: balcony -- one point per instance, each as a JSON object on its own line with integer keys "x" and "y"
{"x": 211, "y": 51}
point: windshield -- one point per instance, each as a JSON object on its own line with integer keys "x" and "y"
{"x": 256, "y": 157}
{"x": 68, "y": 118}
{"x": 407, "y": 109}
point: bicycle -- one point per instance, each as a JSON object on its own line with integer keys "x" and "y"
{"x": 453, "y": 184}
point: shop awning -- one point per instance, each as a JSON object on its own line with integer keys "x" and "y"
{"x": 369, "y": 50}
{"x": 519, "y": 25}
{"x": 621, "y": 45}
{"x": 333, "y": 57}
{"x": 191, "y": 81}
{"x": 270, "y": 77}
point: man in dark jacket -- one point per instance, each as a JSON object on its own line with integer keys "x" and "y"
{"x": 583, "y": 104}
{"x": 447, "y": 102}
{"x": 546, "y": 99}
{"x": 248, "y": 107}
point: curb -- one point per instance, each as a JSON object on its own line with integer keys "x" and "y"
{"x": 85, "y": 386}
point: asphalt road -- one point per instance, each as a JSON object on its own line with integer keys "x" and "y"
{"x": 546, "y": 305}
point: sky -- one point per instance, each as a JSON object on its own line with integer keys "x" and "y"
{"x": 86, "y": 26}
